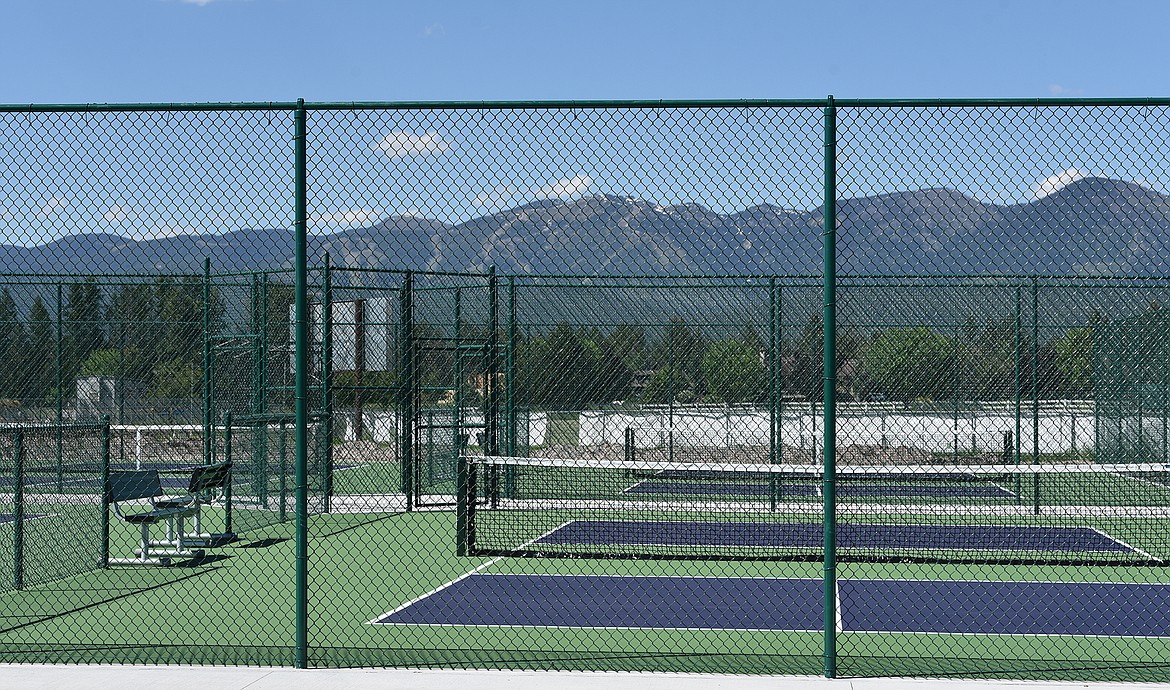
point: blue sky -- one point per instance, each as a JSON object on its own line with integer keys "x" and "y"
{"x": 152, "y": 175}
{"x": 252, "y": 50}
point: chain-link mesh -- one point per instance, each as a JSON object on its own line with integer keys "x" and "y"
{"x": 564, "y": 387}
{"x": 987, "y": 258}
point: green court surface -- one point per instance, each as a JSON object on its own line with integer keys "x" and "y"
{"x": 237, "y": 607}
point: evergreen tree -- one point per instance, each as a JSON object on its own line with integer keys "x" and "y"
{"x": 14, "y": 349}
{"x": 41, "y": 364}
{"x": 83, "y": 325}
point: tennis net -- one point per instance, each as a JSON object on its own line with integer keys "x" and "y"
{"x": 976, "y": 513}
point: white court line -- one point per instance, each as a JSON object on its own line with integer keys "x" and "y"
{"x": 1127, "y": 545}
{"x": 630, "y": 488}
{"x": 1006, "y": 490}
{"x": 837, "y": 604}
{"x": 840, "y": 625}
{"x": 1160, "y": 485}
{"x": 27, "y": 518}
{"x": 798, "y": 547}
{"x": 462, "y": 577}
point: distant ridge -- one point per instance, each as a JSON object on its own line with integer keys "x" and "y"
{"x": 1093, "y": 226}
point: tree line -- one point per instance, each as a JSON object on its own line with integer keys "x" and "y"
{"x": 150, "y": 333}
{"x": 575, "y": 367}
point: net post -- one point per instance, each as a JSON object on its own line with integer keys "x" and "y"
{"x": 18, "y": 509}
{"x": 227, "y": 456}
{"x": 104, "y": 557}
{"x": 829, "y": 455}
{"x": 462, "y": 509}
{"x": 300, "y": 164}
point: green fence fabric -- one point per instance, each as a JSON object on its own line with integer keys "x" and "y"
{"x": 848, "y": 387}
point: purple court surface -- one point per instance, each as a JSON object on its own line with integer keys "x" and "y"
{"x": 732, "y": 603}
{"x": 811, "y": 535}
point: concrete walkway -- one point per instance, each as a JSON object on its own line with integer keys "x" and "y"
{"x": 14, "y": 677}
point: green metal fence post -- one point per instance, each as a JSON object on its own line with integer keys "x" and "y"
{"x": 282, "y": 483}
{"x": 60, "y": 399}
{"x": 671, "y": 365}
{"x": 510, "y": 391}
{"x": 121, "y": 392}
{"x": 830, "y": 389}
{"x": 1162, "y": 411}
{"x": 104, "y": 556}
{"x": 1035, "y": 393}
{"x": 955, "y": 396}
{"x": 208, "y": 422}
{"x": 492, "y": 418}
{"x": 327, "y": 381}
{"x": 461, "y": 461}
{"x": 773, "y": 393}
{"x": 260, "y": 471}
{"x": 227, "y": 457}
{"x": 1017, "y": 391}
{"x": 457, "y": 375}
{"x": 302, "y": 387}
{"x": 407, "y": 387}
{"x": 18, "y": 509}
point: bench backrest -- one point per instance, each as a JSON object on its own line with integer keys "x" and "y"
{"x": 209, "y": 477}
{"x": 129, "y": 485}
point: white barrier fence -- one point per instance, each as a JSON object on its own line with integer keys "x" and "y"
{"x": 382, "y": 426}
{"x": 1054, "y": 430}
{"x": 1060, "y": 427}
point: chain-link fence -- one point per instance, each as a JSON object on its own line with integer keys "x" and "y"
{"x": 854, "y": 388}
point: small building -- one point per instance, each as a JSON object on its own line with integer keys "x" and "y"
{"x": 100, "y": 395}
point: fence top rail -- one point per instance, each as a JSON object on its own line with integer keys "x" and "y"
{"x": 610, "y": 282}
{"x": 292, "y": 106}
{"x": 760, "y": 469}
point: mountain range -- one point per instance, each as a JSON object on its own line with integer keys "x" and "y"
{"x": 1093, "y": 226}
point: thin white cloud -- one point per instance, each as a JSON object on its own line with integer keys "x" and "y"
{"x": 497, "y": 196}
{"x": 506, "y": 194}
{"x": 1059, "y": 90}
{"x": 52, "y": 207}
{"x": 403, "y": 144}
{"x": 1152, "y": 185}
{"x": 1057, "y": 182}
{"x": 434, "y": 30}
{"x": 117, "y": 214}
{"x": 346, "y": 217}
{"x": 170, "y": 231}
{"x": 565, "y": 188}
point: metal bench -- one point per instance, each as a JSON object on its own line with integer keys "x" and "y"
{"x": 207, "y": 484}
{"x": 140, "y": 485}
